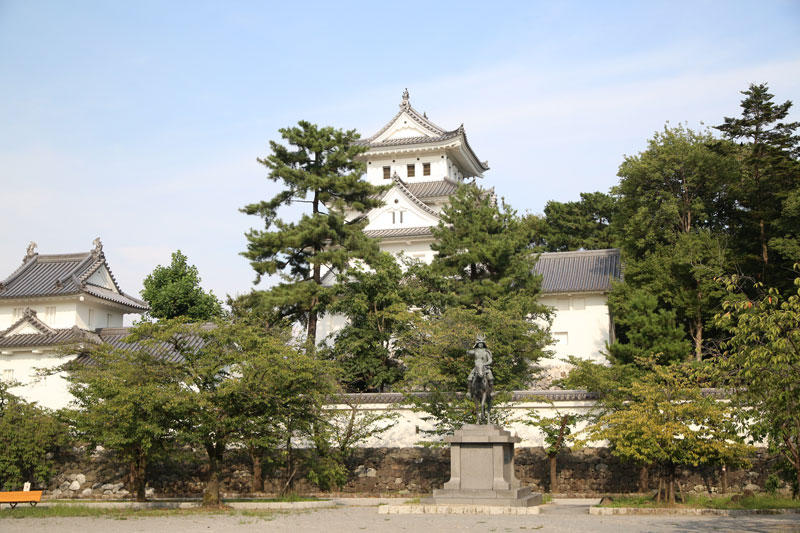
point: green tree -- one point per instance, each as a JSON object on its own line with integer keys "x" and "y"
{"x": 482, "y": 255}
{"x": 126, "y": 401}
{"x": 339, "y": 432}
{"x": 677, "y": 185}
{"x": 647, "y": 330}
{"x": 174, "y": 290}
{"x": 761, "y": 366}
{"x": 585, "y": 224}
{"x": 232, "y": 375}
{"x": 29, "y": 437}
{"x": 674, "y": 209}
{"x": 481, "y": 281}
{"x": 558, "y": 435}
{"x": 319, "y": 167}
{"x": 434, "y": 351}
{"x": 768, "y": 189}
{"x": 669, "y": 422}
{"x": 280, "y": 394}
{"x": 374, "y": 300}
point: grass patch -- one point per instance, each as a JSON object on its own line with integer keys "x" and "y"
{"x": 547, "y": 498}
{"x": 66, "y": 510}
{"x": 290, "y": 498}
{"x": 757, "y": 501}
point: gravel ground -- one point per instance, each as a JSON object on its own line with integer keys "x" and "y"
{"x": 566, "y": 516}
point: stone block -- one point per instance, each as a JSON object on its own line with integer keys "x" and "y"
{"x": 482, "y": 470}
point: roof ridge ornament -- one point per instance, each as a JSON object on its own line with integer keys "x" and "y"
{"x": 406, "y": 100}
{"x": 98, "y": 246}
{"x": 30, "y": 251}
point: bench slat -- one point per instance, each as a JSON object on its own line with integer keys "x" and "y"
{"x": 19, "y": 496}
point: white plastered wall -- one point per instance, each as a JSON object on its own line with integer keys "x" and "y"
{"x": 581, "y": 326}
{"x": 399, "y": 165}
{"x": 409, "y": 427}
{"x": 50, "y": 391}
{"x": 64, "y": 316}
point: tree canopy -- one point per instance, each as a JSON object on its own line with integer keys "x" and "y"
{"x": 173, "y": 291}
{"x": 319, "y": 166}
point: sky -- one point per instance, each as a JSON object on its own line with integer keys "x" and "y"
{"x": 140, "y": 122}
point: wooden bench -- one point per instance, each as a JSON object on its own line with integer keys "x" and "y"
{"x": 19, "y": 496}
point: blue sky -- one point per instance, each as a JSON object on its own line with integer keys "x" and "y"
{"x": 141, "y": 121}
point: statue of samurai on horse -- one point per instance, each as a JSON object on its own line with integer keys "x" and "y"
{"x": 481, "y": 380}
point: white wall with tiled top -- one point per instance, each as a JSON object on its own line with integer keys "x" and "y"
{"x": 581, "y": 326}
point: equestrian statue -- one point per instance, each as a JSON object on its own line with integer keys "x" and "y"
{"x": 481, "y": 380}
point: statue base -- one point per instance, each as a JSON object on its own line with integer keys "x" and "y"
{"x": 482, "y": 470}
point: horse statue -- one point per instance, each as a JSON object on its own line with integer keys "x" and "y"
{"x": 481, "y": 380}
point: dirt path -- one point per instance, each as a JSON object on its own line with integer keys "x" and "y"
{"x": 567, "y": 515}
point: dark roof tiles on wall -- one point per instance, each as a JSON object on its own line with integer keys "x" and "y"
{"x": 581, "y": 271}
{"x": 431, "y": 189}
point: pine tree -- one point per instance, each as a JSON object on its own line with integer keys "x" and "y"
{"x": 769, "y": 188}
{"x": 372, "y": 297}
{"x": 483, "y": 256}
{"x": 319, "y": 167}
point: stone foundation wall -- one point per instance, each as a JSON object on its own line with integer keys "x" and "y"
{"x": 384, "y": 471}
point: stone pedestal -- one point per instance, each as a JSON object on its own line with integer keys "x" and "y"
{"x": 482, "y": 470}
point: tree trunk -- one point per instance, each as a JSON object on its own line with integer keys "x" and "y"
{"x": 289, "y": 466}
{"x": 698, "y": 336}
{"x": 671, "y": 486}
{"x": 317, "y": 277}
{"x": 644, "y": 480}
{"x": 553, "y": 475}
{"x": 211, "y": 496}
{"x": 660, "y": 488}
{"x": 257, "y": 483}
{"x": 764, "y": 253}
{"x": 723, "y": 480}
{"x": 137, "y": 476}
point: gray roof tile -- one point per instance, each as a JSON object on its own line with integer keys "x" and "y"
{"x": 398, "y": 232}
{"x": 64, "y": 274}
{"x": 581, "y": 271}
{"x": 431, "y": 189}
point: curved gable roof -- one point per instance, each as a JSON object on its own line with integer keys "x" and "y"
{"x": 64, "y": 274}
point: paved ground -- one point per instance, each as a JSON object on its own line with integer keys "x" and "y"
{"x": 565, "y": 515}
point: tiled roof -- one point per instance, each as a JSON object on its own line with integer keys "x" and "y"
{"x": 64, "y": 274}
{"x": 438, "y": 134}
{"x": 516, "y": 396}
{"x": 421, "y": 139}
{"x": 581, "y": 271}
{"x": 115, "y": 337}
{"x": 430, "y": 189}
{"x": 398, "y": 232}
{"x": 421, "y": 119}
{"x": 55, "y": 337}
{"x": 401, "y": 186}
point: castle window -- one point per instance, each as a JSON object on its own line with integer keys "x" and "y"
{"x": 8, "y": 375}
{"x": 410, "y": 170}
{"x": 561, "y": 337}
{"x": 18, "y": 312}
{"x": 426, "y": 169}
{"x": 394, "y": 217}
{"x": 91, "y": 318}
{"x": 387, "y": 172}
{"x": 401, "y": 217}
